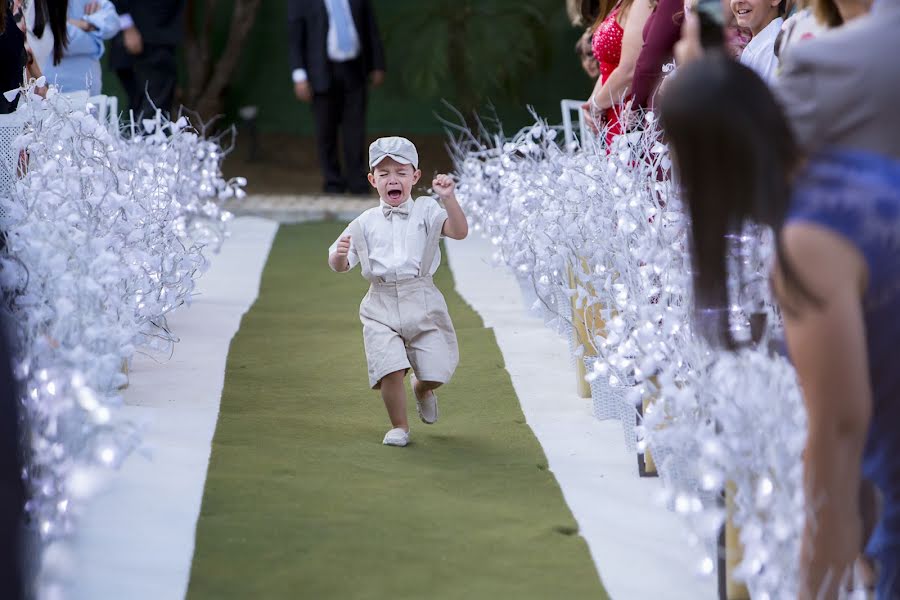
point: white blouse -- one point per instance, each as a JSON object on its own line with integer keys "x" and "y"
{"x": 396, "y": 244}
{"x": 759, "y": 54}
{"x": 41, "y": 47}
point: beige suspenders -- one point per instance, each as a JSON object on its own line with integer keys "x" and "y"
{"x": 432, "y": 243}
{"x": 358, "y": 240}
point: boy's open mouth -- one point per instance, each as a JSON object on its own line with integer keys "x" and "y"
{"x": 395, "y": 194}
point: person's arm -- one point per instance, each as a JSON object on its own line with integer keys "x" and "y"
{"x": 104, "y": 18}
{"x": 373, "y": 43}
{"x": 132, "y": 38}
{"x": 297, "y": 50}
{"x": 828, "y": 348}
{"x": 795, "y": 89}
{"x": 618, "y": 84}
{"x": 82, "y": 42}
{"x": 663, "y": 32}
{"x": 456, "y": 226}
{"x": 342, "y": 256}
{"x": 338, "y": 260}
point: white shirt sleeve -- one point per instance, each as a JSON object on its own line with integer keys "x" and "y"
{"x": 299, "y": 75}
{"x": 431, "y": 211}
{"x": 106, "y": 22}
{"x": 352, "y": 257}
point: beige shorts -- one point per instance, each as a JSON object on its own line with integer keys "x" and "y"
{"x": 406, "y": 325}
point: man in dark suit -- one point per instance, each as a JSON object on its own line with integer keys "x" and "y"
{"x": 12, "y": 488}
{"x": 143, "y": 54}
{"x": 335, "y": 48}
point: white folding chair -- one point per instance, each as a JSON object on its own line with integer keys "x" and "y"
{"x": 77, "y": 100}
{"x": 11, "y": 127}
{"x": 573, "y": 142}
{"x": 99, "y": 107}
{"x": 112, "y": 123}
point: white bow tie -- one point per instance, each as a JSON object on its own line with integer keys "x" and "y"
{"x": 389, "y": 211}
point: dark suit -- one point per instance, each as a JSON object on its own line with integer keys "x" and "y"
{"x": 339, "y": 88}
{"x": 12, "y": 51}
{"x": 12, "y": 488}
{"x": 154, "y": 72}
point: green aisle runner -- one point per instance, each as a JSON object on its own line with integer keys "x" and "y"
{"x": 303, "y": 501}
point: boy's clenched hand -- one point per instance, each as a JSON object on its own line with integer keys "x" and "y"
{"x": 339, "y": 260}
{"x": 343, "y": 247}
{"x": 443, "y": 186}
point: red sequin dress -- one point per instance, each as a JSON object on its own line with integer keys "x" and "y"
{"x": 607, "y": 45}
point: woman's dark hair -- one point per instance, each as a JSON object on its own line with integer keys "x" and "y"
{"x": 826, "y": 11}
{"x": 605, "y": 9}
{"x": 589, "y": 10}
{"x": 734, "y": 157}
{"x": 54, "y": 13}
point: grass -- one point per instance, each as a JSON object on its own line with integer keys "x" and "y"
{"x": 303, "y": 501}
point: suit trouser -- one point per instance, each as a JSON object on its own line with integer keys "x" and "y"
{"x": 12, "y": 488}
{"x": 342, "y": 109}
{"x": 150, "y": 80}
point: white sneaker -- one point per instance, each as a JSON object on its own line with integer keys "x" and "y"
{"x": 427, "y": 407}
{"x": 396, "y": 437}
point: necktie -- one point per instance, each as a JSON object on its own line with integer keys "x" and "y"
{"x": 341, "y": 20}
{"x": 390, "y": 211}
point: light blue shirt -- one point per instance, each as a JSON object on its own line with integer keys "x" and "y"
{"x": 343, "y": 39}
{"x": 80, "y": 67}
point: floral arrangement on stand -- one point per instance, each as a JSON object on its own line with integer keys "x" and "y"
{"x": 593, "y": 230}
{"x": 104, "y": 236}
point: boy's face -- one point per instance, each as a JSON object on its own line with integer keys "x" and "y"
{"x": 394, "y": 181}
{"x": 754, "y": 14}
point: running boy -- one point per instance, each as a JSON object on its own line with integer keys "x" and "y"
{"x": 405, "y": 320}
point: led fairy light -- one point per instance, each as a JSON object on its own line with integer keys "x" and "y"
{"x": 105, "y": 236}
{"x": 718, "y": 417}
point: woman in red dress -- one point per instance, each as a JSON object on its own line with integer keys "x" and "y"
{"x": 617, "y": 39}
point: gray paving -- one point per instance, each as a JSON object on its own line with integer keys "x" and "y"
{"x": 299, "y": 208}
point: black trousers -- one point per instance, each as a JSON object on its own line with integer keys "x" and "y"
{"x": 342, "y": 111}
{"x": 150, "y": 80}
{"x": 12, "y": 488}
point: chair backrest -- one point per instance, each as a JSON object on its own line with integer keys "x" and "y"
{"x": 11, "y": 127}
{"x": 112, "y": 123}
{"x": 106, "y": 111}
{"x": 99, "y": 107}
{"x": 78, "y": 100}
{"x": 573, "y": 142}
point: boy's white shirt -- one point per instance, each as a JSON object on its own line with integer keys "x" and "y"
{"x": 759, "y": 54}
{"x": 396, "y": 245}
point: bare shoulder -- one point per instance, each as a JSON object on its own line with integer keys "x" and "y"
{"x": 825, "y": 262}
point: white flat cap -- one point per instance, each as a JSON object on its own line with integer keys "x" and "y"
{"x": 399, "y": 148}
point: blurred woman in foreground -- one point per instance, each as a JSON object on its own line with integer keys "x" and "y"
{"x": 821, "y": 166}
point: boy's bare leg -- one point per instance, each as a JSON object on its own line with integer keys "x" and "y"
{"x": 393, "y": 392}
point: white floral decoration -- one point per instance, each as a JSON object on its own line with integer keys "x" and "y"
{"x": 104, "y": 236}
{"x": 611, "y": 219}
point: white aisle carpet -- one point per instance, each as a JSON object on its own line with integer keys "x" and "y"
{"x": 638, "y": 546}
{"x": 136, "y": 540}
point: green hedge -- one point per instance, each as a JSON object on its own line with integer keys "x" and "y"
{"x": 263, "y": 77}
